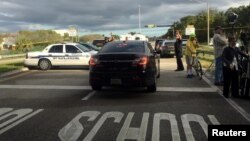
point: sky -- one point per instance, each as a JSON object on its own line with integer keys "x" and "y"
{"x": 102, "y": 16}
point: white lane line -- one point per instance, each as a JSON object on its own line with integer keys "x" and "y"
{"x": 62, "y": 87}
{"x": 186, "y": 89}
{"x": 89, "y": 95}
{"x": 48, "y": 87}
{"x": 238, "y": 108}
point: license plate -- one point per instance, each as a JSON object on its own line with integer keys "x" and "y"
{"x": 115, "y": 81}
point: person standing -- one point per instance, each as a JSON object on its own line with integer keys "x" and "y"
{"x": 219, "y": 42}
{"x": 230, "y": 67}
{"x": 191, "y": 46}
{"x": 178, "y": 51}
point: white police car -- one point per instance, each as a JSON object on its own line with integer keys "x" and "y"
{"x": 63, "y": 54}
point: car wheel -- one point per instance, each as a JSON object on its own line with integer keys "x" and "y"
{"x": 96, "y": 87}
{"x": 152, "y": 87}
{"x": 44, "y": 64}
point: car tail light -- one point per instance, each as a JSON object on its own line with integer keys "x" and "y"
{"x": 142, "y": 61}
{"x": 93, "y": 61}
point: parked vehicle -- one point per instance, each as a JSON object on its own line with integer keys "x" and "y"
{"x": 166, "y": 48}
{"x": 63, "y": 54}
{"x": 125, "y": 63}
{"x": 90, "y": 46}
{"x": 98, "y": 43}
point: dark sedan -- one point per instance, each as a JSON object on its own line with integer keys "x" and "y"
{"x": 125, "y": 63}
{"x": 90, "y": 46}
{"x": 166, "y": 48}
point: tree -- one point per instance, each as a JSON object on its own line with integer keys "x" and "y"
{"x": 90, "y": 38}
{"x": 26, "y": 39}
{"x": 216, "y": 18}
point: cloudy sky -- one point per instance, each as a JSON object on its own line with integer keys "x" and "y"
{"x": 92, "y": 16}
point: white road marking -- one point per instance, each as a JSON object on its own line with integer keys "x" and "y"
{"x": 213, "y": 120}
{"x": 173, "y": 124}
{"x": 133, "y": 133}
{"x": 74, "y": 129}
{"x": 65, "y": 87}
{"x": 89, "y": 95}
{"x": 185, "y": 89}
{"x": 238, "y": 108}
{"x": 116, "y": 115}
{"x": 186, "y": 119}
{"x": 15, "y": 121}
{"x": 46, "y": 87}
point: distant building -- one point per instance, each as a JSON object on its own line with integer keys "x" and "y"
{"x": 62, "y": 32}
{"x": 9, "y": 40}
{"x": 135, "y": 36}
{"x": 8, "y": 43}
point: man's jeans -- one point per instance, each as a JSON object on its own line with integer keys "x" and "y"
{"x": 218, "y": 70}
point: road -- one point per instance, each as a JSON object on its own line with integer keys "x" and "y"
{"x": 58, "y": 105}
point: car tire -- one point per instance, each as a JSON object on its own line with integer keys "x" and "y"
{"x": 44, "y": 64}
{"x": 152, "y": 87}
{"x": 96, "y": 87}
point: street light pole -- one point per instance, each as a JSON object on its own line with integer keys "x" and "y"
{"x": 139, "y": 6}
{"x": 207, "y": 19}
{"x": 208, "y": 24}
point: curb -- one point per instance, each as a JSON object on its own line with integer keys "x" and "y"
{"x": 14, "y": 72}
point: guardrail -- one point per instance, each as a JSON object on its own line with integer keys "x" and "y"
{"x": 11, "y": 56}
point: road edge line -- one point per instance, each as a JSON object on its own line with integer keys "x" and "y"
{"x": 89, "y": 95}
{"x": 238, "y": 108}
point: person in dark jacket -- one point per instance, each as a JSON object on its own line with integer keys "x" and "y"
{"x": 230, "y": 67}
{"x": 178, "y": 51}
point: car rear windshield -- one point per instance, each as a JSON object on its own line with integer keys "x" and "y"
{"x": 123, "y": 47}
{"x": 83, "y": 48}
{"x": 168, "y": 43}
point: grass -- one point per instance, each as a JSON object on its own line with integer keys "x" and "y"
{"x": 10, "y": 67}
{"x": 12, "y": 52}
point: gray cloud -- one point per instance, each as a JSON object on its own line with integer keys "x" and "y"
{"x": 94, "y": 15}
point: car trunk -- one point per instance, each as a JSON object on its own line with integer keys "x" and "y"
{"x": 118, "y": 62}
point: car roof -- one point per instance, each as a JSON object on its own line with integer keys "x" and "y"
{"x": 131, "y": 41}
{"x": 65, "y": 44}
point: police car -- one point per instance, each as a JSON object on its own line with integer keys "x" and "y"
{"x": 63, "y": 54}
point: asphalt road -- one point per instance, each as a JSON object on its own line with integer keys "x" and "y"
{"x": 58, "y": 105}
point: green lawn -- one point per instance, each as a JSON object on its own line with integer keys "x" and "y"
{"x": 11, "y": 52}
{"x": 9, "y": 67}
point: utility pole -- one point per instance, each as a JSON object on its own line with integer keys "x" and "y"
{"x": 207, "y": 18}
{"x": 208, "y": 24}
{"x": 139, "y": 6}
